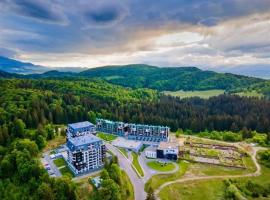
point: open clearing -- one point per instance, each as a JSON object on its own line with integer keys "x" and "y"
{"x": 252, "y": 93}
{"x": 206, "y": 189}
{"x": 205, "y": 94}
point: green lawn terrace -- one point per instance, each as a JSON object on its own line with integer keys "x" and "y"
{"x": 161, "y": 166}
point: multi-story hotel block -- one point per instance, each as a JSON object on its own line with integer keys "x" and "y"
{"x": 80, "y": 129}
{"x": 134, "y": 131}
{"x": 86, "y": 152}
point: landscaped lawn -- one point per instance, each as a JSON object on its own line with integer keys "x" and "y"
{"x": 65, "y": 171}
{"x": 160, "y": 166}
{"x": 136, "y": 164}
{"x": 106, "y": 136}
{"x": 123, "y": 151}
{"x": 159, "y": 179}
{"x": 59, "y": 162}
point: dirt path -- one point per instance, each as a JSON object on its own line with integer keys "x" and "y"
{"x": 181, "y": 180}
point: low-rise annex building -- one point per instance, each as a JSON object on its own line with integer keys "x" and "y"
{"x": 169, "y": 150}
{"x": 85, "y": 151}
{"x": 150, "y": 152}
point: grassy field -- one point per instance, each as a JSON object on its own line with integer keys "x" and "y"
{"x": 106, "y": 136}
{"x": 65, "y": 171}
{"x": 195, "y": 190}
{"x": 123, "y": 151}
{"x": 160, "y": 167}
{"x": 252, "y": 93}
{"x": 202, "y": 94}
{"x": 136, "y": 164}
{"x": 212, "y": 170}
{"x": 59, "y": 162}
{"x": 157, "y": 180}
{"x": 210, "y": 189}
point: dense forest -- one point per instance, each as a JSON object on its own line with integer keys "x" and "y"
{"x": 30, "y": 108}
{"x": 59, "y": 102}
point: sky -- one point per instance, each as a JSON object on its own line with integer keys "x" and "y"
{"x": 214, "y": 34}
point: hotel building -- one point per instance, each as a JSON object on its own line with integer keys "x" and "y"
{"x": 86, "y": 152}
{"x": 134, "y": 131}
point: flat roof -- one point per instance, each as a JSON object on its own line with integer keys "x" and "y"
{"x": 151, "y": 148}
{"x": 128, "y": 144}
{"x": 80, "y": 125}
{"x": 82, "y": 140}
{"x": 168, "y": 145}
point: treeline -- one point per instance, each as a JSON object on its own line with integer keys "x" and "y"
{"x": 21, "y": 175}
{"x": 61, "y": 102}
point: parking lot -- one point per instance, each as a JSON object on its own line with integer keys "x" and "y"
{"x": 49, "y": 165}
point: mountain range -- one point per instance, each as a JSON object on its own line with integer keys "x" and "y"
{"x": 18, "y": 67}
{"x": 145, "y": 76}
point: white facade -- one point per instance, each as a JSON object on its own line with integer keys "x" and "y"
{"x": 151, "y": 153}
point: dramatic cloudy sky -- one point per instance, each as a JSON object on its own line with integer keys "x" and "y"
{"x": 211, "y": 34}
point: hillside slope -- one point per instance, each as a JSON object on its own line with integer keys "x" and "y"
{"x": 170, "y": 78}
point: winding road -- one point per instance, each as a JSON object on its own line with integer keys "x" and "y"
{"x": 125, "y": 164}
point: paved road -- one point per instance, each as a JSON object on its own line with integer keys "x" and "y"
{"x": 181, "y": 180}
{"x": 125, "y": 164}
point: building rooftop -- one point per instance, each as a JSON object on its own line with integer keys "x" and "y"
{"x": 168, "y": 145}
{"x": 151, "y": 148}
{"x": 113, "y": 122}
{"x": 80, "y": 125}
{"x": 82, "y": 140}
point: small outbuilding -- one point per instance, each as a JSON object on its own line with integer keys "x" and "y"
{"x": 151, "y": 152}
{"x": 168, "y": 150}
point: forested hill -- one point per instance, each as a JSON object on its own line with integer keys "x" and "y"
{"x": 166, "y": 78}
{"x": 170, "y": 78}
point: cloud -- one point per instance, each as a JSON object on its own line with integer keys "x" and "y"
{"x": 105, "y": 15}
{"x": 44, "y": 11}
{"x": 170, "y": 33}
